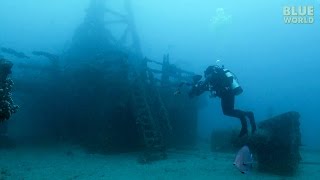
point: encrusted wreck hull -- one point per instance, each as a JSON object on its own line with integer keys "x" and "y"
{"x": 275, "y": 145}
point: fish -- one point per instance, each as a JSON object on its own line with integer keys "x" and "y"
{"x": 244, "y": 160}
{"x": 14, "y": 53}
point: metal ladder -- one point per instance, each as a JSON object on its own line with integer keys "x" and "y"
{"x": 150, "y": 130}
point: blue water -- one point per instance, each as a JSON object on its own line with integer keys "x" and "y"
{"x": 277, "y": 64}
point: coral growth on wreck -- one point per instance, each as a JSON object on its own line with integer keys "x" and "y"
{"x": 7, "y": 106}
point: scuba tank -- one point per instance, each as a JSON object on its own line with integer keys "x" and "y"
{"x": 235, "y": 86}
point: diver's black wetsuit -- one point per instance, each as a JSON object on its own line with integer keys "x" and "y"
{"x": 227, "y": 104}
{"x": 220, "y": 84}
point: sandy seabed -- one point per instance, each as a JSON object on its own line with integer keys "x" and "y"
{"x": 69, "y": 162}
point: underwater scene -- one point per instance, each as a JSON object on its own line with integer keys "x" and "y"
{"x": 159, "y": 89}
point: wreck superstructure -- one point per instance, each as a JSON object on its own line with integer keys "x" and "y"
{"x": 137, "y": 97}
{"x": 95, "y": 37}
{"x": 102, "y": 94}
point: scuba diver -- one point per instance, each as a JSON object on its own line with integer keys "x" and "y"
{"x": 221, "y": 82}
